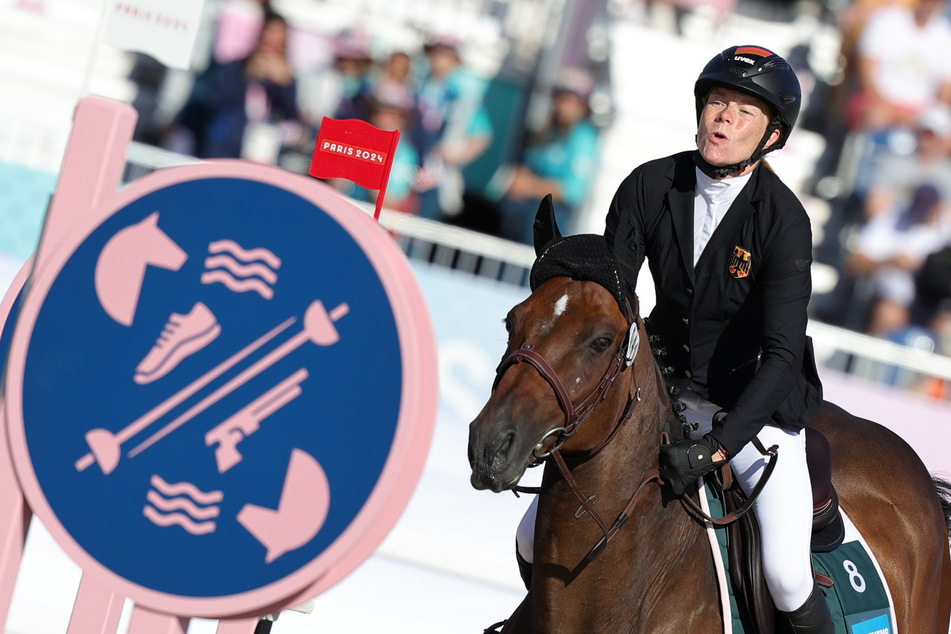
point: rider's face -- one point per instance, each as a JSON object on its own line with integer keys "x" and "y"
{"x": 731, "y": 126}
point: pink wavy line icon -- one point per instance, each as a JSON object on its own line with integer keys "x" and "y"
{"x": 247, "y": 255}
{"x": 236, "y": 285}
{"x": 239, "y": 266}
{"x": 168, "y": 512}
{"x": 179, "y": 519}
{"x": 241, "y": 270}
{"x": 186, "y": 488}
{"x": 300, "y": 514}
{"x": 182, "y": 504}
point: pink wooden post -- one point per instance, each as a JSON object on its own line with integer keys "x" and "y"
{"x": 149, "y": 622}
{"x": 101, "y": 129}
{"x": 97, "y": 609}
{"x": 13, "y": 527}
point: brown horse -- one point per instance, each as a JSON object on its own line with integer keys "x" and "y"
{"x": 656, "y": 575}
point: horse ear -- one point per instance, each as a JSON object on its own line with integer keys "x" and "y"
{"x": 545, "y": 228}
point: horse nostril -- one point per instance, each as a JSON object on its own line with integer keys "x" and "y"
{"x": 507, "y": 446}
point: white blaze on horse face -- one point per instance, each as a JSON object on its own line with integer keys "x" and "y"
{"x": 561, "y": 305}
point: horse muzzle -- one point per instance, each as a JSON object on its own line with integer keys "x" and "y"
{"x": 497, "y": 456}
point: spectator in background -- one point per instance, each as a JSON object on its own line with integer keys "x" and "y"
{"x": 452, "y": 130}
{"x": 897, "y": 175}
{"x": 396, "y": 71}
{"x": 245, "y": 101}
{"x": 932, "y": 305}
{"x": 902, "y": 65}
{"x": 560, "y": 160}
{"x": 891, "y": 248}
{"x": 238, "y": 28}
{"x": 340, "y": 91}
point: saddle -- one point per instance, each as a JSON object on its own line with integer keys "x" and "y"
{"x": 744, "y": 549}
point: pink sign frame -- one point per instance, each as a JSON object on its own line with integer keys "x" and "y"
{"x": 102, "y": 128}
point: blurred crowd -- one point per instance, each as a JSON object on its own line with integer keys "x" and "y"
{"x": 253, "y": 101}
{"x": 885, "y": 120}
{"x": 887, "y": 126}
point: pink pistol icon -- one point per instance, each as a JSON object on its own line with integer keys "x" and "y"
{"x": 247, "y": 420}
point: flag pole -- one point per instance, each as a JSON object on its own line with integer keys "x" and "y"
{"x": 94, "y": 54}
{"x": 386, "y": 174}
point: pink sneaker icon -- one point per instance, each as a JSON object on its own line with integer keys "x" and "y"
{"x": 182, "y": 336}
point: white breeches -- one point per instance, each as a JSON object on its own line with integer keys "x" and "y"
{"x": 784, "y": 511}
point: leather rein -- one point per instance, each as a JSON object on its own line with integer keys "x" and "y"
{"x": 575, "y": 417}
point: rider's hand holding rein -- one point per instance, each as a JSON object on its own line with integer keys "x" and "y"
{"x": 682, "y": 462}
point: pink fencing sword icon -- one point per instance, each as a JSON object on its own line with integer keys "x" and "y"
{"x": 105, "y": 446}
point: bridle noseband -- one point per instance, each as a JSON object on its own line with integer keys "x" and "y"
{"x": 575, "y": 416}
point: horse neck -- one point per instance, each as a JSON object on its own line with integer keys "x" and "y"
{"x": 644, "y": 557}
{"x": 618, "y": 468}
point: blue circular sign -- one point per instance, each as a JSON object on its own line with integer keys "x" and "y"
{"x": 212, "y": 388}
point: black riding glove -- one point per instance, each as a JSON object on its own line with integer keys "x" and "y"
{"x": 684, "y": 461}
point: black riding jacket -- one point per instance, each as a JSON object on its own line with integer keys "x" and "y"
{"x": 736, "y": 324}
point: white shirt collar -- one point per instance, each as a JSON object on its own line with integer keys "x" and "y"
{"x": 712, "y": 200}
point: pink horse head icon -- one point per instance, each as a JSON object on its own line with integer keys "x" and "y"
{"x": 121, "y": 266}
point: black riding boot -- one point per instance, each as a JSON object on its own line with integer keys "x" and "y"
{"x": 814, "y": 617}
{"x": 524, "y": 569}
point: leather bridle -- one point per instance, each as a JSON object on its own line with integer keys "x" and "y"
{"x": 575, "y": 416}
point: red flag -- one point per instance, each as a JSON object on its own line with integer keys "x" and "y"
{"x": 355, "y": 150}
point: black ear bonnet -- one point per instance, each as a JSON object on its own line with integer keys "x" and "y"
{"x": 586, "y": 258}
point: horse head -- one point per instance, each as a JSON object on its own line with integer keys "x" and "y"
{"x": 570, "y": 345}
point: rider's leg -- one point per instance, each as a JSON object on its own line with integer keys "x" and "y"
{"x": 525, "y": 542}
{"x": 784, "y": 511}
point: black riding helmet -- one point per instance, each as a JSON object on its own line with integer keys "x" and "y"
{"x": 761, "y": 73}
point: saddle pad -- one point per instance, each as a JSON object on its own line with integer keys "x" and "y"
{"x": 859, "y": 599}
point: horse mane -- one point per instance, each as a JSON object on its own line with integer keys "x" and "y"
{"x": 944, "y": 494}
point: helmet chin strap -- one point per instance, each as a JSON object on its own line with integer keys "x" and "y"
{"x": 717, "y": 172}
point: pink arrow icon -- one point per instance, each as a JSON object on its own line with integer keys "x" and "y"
{"x": 299, "y": 516}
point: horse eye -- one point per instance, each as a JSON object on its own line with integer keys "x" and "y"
{"x": 601, "y": 343}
